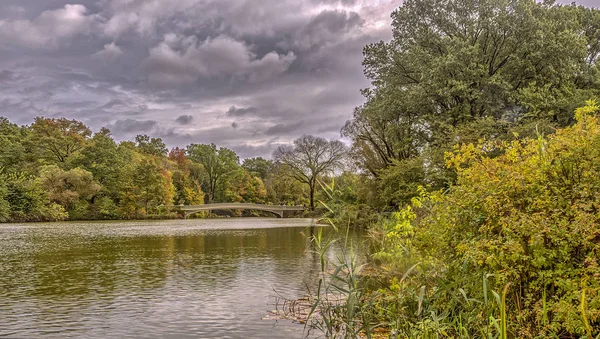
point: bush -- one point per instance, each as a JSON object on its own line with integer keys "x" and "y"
{"x": 28, "y": 201}
{"x": 4, "y": 205}
{"x": 528, "y": 217}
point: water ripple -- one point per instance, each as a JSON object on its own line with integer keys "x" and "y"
{"x": 173, "y": 279}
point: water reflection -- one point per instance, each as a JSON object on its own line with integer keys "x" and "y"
{"x": 195, "y": 278}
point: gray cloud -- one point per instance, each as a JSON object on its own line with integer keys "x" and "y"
{"x": 128, "y": 126}
{"x": 283, "y": 128}
{"x": 253, "y": 74}
{"x": 20, "y": 108}
{"x": 110, "y": 53}
{"x": 181, "y": 60}
{"x": 334, "y": 2}
{"x": 326, "y": 27}
{"x": 263, "y": 150}
{"x": 114, "y": 103}
{"x": 50, "y": 29}
{"x": 184, "y": 119}
{"x": 6, "y": 75}
{"x": 237, "y": 112}
{"x": 588, "y": 3}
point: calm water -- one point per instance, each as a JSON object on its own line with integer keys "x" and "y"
{"x": 152, "y": 279}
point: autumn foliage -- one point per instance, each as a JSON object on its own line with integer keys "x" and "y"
{"x": 528, "y": 219}
{"x": 56, "y": 169}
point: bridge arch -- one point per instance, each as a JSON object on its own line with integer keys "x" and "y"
{"x": 278, "y": 210}
{"x": 187, "y": 214}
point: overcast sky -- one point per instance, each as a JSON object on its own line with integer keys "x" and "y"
{"x": 245, "y": 74}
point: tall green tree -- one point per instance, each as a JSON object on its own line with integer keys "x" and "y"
{"x": 56, "y": 140}
{"x": 151, "y": 146}
{"x": 104, "y": 159}
{"x": 4, "y": 204}
{"x": 282, "y": 188}
{"x": 12, "y": 151}
{"x": 28, "y": 199}
{"x": 219, "y": 165}
{"x": 258, "y": 167}
{"x": 146, "y": 184}
{"x": 488, "y": 62}
{"x": 72, "y": 189}
{"x": 153, "y": 184}
{"x": 186, "y": 179}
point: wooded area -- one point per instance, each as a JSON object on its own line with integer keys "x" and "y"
{"x": 56, "y": 169}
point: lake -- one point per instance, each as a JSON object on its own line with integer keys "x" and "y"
{"x": 198, "y": 278}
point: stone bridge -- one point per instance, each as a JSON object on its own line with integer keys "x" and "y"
{"x": 278, "y": 210}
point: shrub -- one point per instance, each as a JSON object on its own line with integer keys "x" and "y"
{"x": 528, "y": 217}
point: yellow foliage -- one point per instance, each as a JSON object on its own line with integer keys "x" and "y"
{"x": 530, "y": 216}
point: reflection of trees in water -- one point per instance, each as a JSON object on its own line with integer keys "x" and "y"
{"x": 64, "y": 267}
{"x": 94, "y": 271}
{"x": 88, "y": 276}
{"x": 247, "y": 256}
{"x": 106, "y": 265}
{"x": 307, "y": 261}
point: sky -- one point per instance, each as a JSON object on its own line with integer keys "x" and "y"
{"x": 249, "y": 75}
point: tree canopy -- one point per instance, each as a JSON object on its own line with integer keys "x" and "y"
{"x": 56, "y": 169}
{"x": 456, "y": 67}
{"x": 56, "y": 140}
{"x": 220, "y": 165}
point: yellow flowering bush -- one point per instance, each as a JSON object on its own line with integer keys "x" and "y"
{"x": 529, "y": 217}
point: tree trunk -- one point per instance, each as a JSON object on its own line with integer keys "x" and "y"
{"x": 312, "y": 196}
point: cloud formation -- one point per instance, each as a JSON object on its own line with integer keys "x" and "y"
{"x": 50, "y": 28}
{"x": 237, "y": 112}
{"x": 110, "y": 53}
{"x": 246, "y": 74}
{"x": 184, "y": 119}
{"x": 131, "y": 125}
{"x": 180, "y": 60}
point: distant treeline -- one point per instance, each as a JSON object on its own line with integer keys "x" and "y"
{"x": 56, "y": 169}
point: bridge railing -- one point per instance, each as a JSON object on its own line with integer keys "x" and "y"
{"x": 240, "y": 206}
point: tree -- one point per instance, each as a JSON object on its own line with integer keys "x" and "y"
{"x": 152, "y": 184}
{"x": 258, "y": 167}
{"x": 103, "y": 158}
{"x": 186, "y": 179}
{"x": 69, "y": 188}
{"x": 145, "y": 185}
{"x": 493, "y": 63}
{"x": 310, "y": 157}
{"x": 12, "y": 152}
{"x": 151, "y": 146}
{"x": 4, "y": 205}
{"x": 178, "y": 155}
{"x": 28, "y": 200}
{"x": 56, "y": 140}
{"x": 255, "y": 191}
{"x": 219, "y": 165}
{"x": 243, "y": 187}
{"x": 282, "y": 188}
